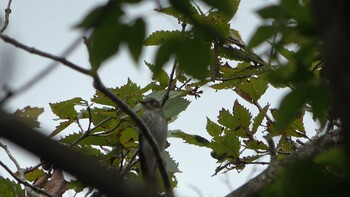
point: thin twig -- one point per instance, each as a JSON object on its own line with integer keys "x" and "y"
{"x": 32, "y": 50}
{"x": 130, "y": 164}
{"x": 272, "y": 147}
{"x": 10, "y": 156}
{"x": 243, "y": 76}
{"x": 143, "y": 128}
{"x": 7, "y": 16}
{"x": 171, "y": 77}
{"x": 25, "y": 183}
{"x": 52, "y": 66}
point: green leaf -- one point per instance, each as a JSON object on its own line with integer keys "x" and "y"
{"x": 252, "y": 89}
{"x": 65, "y": 109}
{"x": 170, "y": 164}
{"x": 77, "y": 186}
{"x": 10, "y": 189}
{"x": 135, "y": 38}
{"x": 228, "y": 144}
{"x": 159, "y": 37}
{"x": 335, "y": 157}
{"x": 166, "y": 50}
{"x": 34, "y": 175}
{"x": 29, "y": 115}
{"x": 174, "y": 106}
{"x": 128, "y": 137}
{"x": 214, "y": 129}
{"x": 259, "y": 118}
{"x": 190, "y": 139}
{"x": 269, "y": 12}
{"x": 242, "y": 116}
{"x": 289, "y": 107}
{"x": 61, "y": 127}
{"x": 227, "y": 119}
{"x": 104, "y": 43}
{"x": 255, "y": 145}
{"x": 228, "y": 7}
{"x": 171, "y": 11}
{"x": 194, "y": 57}
{"x": 159, "y": 75}
{"x": 130, "y": 93}
{"x": 261, "y": 34}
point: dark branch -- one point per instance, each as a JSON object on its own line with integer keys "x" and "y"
{"x": 7, "y": 16}
{"x": 44, "y": 54}
{"x": 143, "y": 128}
{"x": 265, "y": 178}
{"x": 83, "y": 167}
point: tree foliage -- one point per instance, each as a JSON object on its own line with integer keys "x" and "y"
{"x": 204, "y": 52}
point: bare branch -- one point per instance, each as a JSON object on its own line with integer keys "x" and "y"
{"x": 265, "y": 178}
{"x": 32, "y": 50}
{"x": 7, "y": 16}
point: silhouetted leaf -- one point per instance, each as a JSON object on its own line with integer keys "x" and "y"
{"x": 29, "y": 115}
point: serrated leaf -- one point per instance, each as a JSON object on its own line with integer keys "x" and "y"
{"x": 226, "y": 119}
{"x": 170, "y": 164}
{"x": 228, "y": 7}
{"x": 10, "y": 189}
{"x": 130, "y": 93}
{"x": 171, "y": 11}
{"x": 259, "y": 118}
{"x": 29, "y": 115}
{"x": 190, "y": 139}
{"x": 174, "y": 106}
{"x": 252, "y": 89}
{"x": 159, "y": 37}
{"x": 242, "y": 116}
{"x": 135, "y": 38}
{"x": 158, "y": 75}
{"x": 228, "y": 144}
{"x": 65, "y": 109}
{"x": 255, "y": 145}
{"x": 61, "y": 127}
{"x": 214, "y": 129}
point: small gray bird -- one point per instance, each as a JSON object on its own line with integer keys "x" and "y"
{"x": 155, "y": 120}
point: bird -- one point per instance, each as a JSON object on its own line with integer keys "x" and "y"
{"x": 155, "y": 121}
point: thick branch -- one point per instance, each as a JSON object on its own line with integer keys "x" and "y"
{"x": 265, "y": 178}
{"x": 85, "y": 168}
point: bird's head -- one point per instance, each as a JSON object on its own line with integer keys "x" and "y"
{"x": 151, "y": 104}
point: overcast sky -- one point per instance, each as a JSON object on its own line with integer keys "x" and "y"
{"x": 48, "y": 25}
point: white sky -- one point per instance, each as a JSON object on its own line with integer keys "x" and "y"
{"x": 48, "y": 26}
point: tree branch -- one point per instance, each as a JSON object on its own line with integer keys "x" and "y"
{"x": 265, "y": 178}
{"x": 145, "y": 132}
{"x": 83, "y": 167}
{"x": 7, "y": 16}
{"x": 44, "y": 54}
